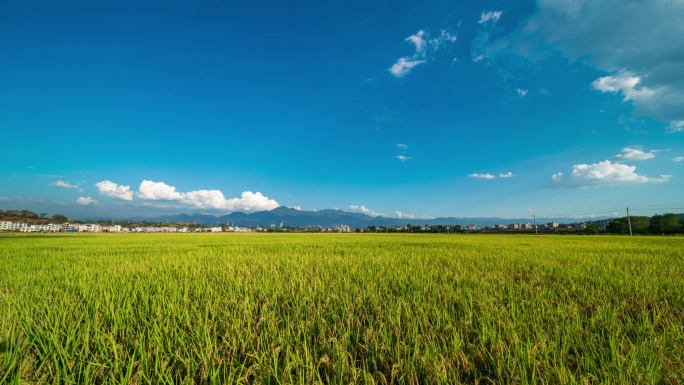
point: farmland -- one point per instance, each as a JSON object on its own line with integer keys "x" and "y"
{"x": 334, "y": 308}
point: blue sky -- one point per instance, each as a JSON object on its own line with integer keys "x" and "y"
{"x": 405, "y": 109}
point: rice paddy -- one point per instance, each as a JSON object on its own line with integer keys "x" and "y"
{"x": 340, "y": 309}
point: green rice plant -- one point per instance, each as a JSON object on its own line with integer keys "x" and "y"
{"x": 340, "y": 308}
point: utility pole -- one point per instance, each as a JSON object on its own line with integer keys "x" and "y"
{"x": 629, "y": 222}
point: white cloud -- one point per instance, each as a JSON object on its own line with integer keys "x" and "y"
{"x": 403, "y": 146}
{"x": 491, "y": 15}
{"x": 624, "y": 82}
{"x": 444, "y": 37}
{"x": 481, "y": 176}
{"x": 644, "y": 65}
{"x": 158, "y": 191}
{"x": 678, "y": 159}
{"x": 214, "y": 199}
{"x": 63, "y": 184}
{"x": 634, "y": 153}
{"x": 478, "y": 58}
{"x": 364, "y": 210}
{"x": 87, "y": 201}
{"x": 506, "y": 175}
{"x": 113, "y": 190}
{"x": 206, "y": 199}
{"x": 603, "y": 173}
{"x": 403, "y": 66}
{"x": 399, "y": 214}
{"x": 675, "y": 126}
{"x": 521, "y": 92}
{"x": 418, "y": 41}
{"x": 403, "y": 158}
{"x": 298, "y": 208}
{"x": 421, "y": 43}
{"x": 426, "y": 217}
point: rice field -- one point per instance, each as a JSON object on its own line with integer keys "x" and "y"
{"x": 340, "y": 309}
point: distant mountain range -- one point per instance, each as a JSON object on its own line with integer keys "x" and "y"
{"x": 328, "y": 218}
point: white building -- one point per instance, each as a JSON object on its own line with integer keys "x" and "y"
{"x": 90, "y": 228}
{"x": 6, "y": 226}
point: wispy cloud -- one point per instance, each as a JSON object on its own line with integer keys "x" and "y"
{"x": 403, "y": 158}
{"x": 49, "y": 176}
{"x": 425, "y": 48}
{"x": 63, "y": 184}
{"x": 521, "y": 92}
{"x": 675, "y": 126}
{"x": 678, "y": 159}
{"x": 418, "y": 40}
{"x": 490, "y": 16}
{"x": 491, "y": 176}
{"x": 481, "y": 176}
{"x": 402, "y": 146}
{"x": 403, "y": 66}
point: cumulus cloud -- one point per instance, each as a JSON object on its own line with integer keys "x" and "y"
{"x": 603, "y": 173}
{"x": 489, "y": 16}
{"x": 399, "y": 214}
{"x": 214, "y": 199}
{"x": 643, "y": 65}
{"x": 424, "y": 216}
{"x": 403, "y": 66}
{"x": 85, "y": 201}
{"x": 113, "y": 190}
{"x": 678, "y": 159}
{"x": 506, "y": 175}
{"x": 634, "y": 153}
{"x": 158, "y": 191}
{"x": 481, "y": 176}
{"x": 363, "y": 210}
{"x": 206, "y": 199}
{"x": 201, "y": 199}
{"x": 63, "y": 184}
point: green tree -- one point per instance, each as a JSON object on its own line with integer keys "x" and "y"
{"x": 59, "y": 218}
{"x": 665, "y": 224}
{"x": 618, "y": 226}
{"x": 591, "y": 228}
{"x": 640, "y": 224}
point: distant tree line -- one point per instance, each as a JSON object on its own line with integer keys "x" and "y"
{"x": 658, "y": 224}
{"x": 28, "y": 216}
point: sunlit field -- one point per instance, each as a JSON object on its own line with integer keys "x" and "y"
{"x": 353, "y": 308}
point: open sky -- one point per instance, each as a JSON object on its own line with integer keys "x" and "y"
{"x": 410, "y": 109}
